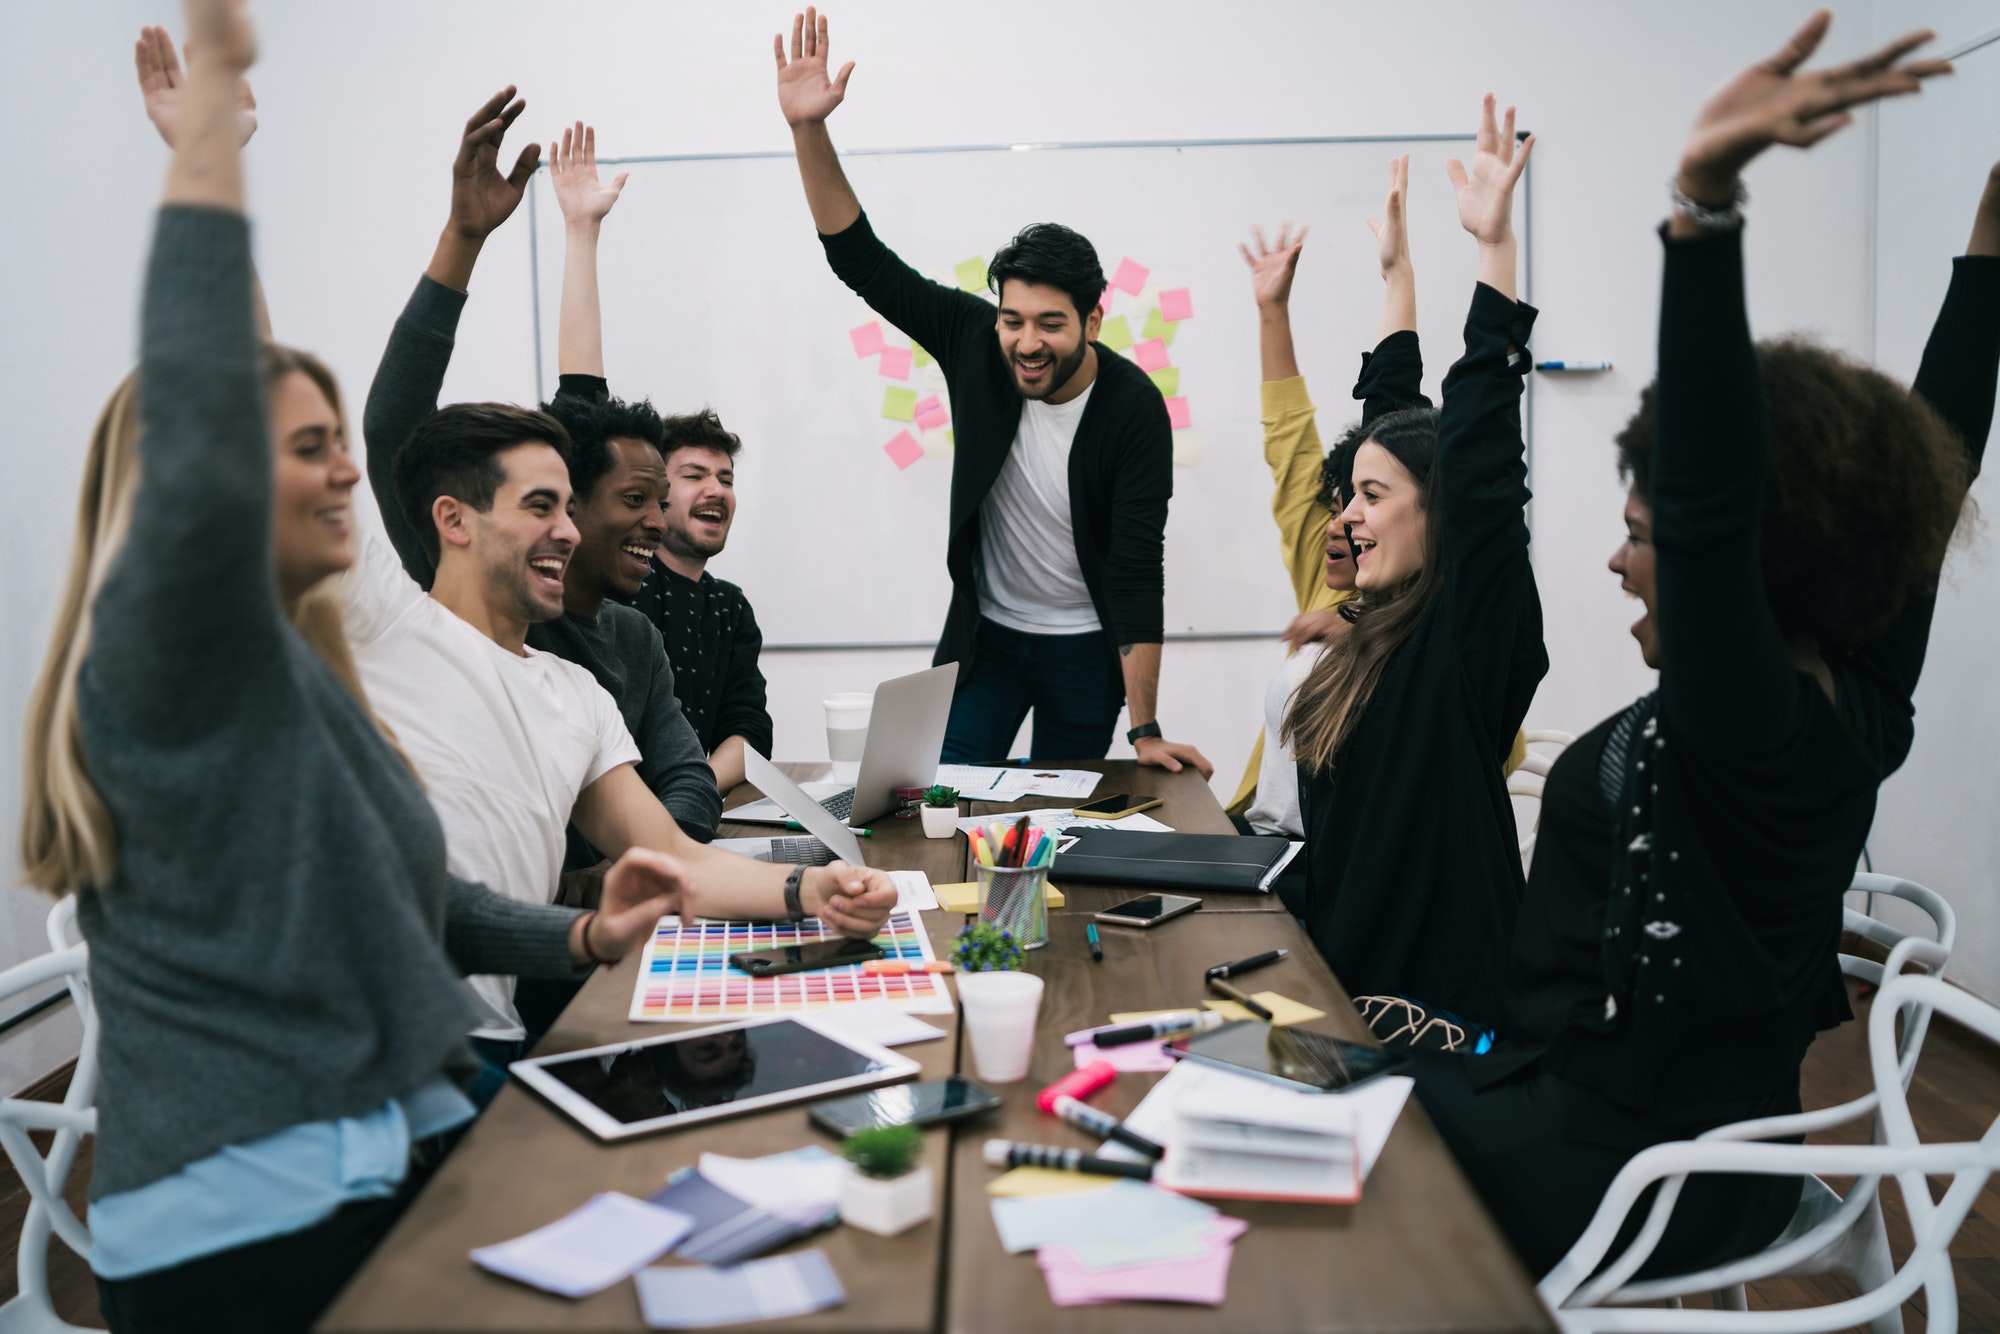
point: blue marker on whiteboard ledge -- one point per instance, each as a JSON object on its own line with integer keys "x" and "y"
{"x": 1572, "y": 365}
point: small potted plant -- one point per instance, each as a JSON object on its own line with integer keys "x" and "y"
{"x": 887, "y": 1192}
{"x": 982, "y": 947}
{"x": 1000, "y": 1001}
{"x": 940, "y": 813}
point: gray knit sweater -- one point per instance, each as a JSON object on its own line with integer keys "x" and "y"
{"x": 281, "y": 943}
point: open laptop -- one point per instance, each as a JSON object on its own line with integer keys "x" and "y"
{"x": 827, "y": 835}
{"x": 905, "y": 739}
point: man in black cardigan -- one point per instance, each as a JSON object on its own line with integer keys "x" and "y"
{"x": 1063, "y": 468}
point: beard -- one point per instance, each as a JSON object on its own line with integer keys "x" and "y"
{"x": 683, "y": 542}
{"x": 1058, "y": 377}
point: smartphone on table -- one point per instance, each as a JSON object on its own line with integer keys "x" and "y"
{"x": 1293, "y": 1057}
{"x": 806, "y": 957}
{"x": 905, "y": 1105}
{"x": 1148, "y": 911}
{"x": 1114, "y": 807}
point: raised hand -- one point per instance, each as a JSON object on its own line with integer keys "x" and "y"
{"x": 640, "y": 888}
{"x": 481, "y": 198}
{"x": 1486, "y": 192}
{"x": 1273, "y": 267}
{"x": 573, "y": 170}
{"x": 223, "y": 32}
{"x": 163, "y": 83}
{"x": 1774, "y": 102}
{"x": 805, "y": 94}
{"x": 1392, "y": 237}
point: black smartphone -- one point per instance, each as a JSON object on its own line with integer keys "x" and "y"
{"x": 1289, "y": 1056}
{"x": 804, "y": 958}
{"x": 1148, "y": 911}
{"x": 1115, "y": 807}
{"x": 905, "y": 1105}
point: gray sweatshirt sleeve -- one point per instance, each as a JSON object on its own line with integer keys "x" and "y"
{"x": 486, "y": 932}
{"x": 188, "y": 613}
{"x": 405, "y": 391}
{"x": 674, "y": 765}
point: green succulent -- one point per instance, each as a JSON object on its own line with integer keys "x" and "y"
{"x": 884, "y": 1152}
{"x": 939, "y": 795}
{"x": 983, "y": 947}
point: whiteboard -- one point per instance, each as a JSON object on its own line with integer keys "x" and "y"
{"x": 715, "y": 291}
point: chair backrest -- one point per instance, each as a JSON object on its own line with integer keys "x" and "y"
{"x": 1905, "y": 948}
{"x": 1530, "y": 778}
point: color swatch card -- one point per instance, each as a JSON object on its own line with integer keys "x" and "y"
{"x": 699, "y": 1297}
{"x": 686, "y": 975}
{"x": 590, "y": 1249}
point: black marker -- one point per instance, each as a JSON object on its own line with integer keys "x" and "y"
{"x": 1006, "y": 1153}
{"x": 1245, "y": 965}
{"x": 1083, "y": 1115}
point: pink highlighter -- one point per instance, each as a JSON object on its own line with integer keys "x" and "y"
{"x": 1078, "y": 1084}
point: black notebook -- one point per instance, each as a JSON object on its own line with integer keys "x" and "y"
{"x": 1246, "y": 862}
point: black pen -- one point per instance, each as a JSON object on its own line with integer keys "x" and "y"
{"x": 1245, "y": 965}
{"x": 1217, "y": 984}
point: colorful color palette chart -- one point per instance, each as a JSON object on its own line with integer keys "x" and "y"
{"x": 686, "y": 975}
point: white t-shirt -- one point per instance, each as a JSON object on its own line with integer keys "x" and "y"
{"x": 503, "y": 743}
{"x": 1029, "y": 576}
{"x": 1276, "y": 809}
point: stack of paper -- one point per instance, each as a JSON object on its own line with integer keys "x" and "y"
{"x": 610, "y": 1236}
{"x": 802, "y": 1186}
{"x": 726, "y": 1226}
{"x": 1125, "y": 1242}
{"x": 696, "y": 1298}
{"x": 1203, "y": 1281}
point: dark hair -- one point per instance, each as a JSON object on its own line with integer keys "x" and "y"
{"x": 592, "y": 424}
{"x": 1336, "y": 470}
{"x": 698, "y": 430}
{"x": 1053, "y": 255}
{"x": 1336, "y": 691}
{"x": 1864, "y": 486}
{"x": 453, "y": 453}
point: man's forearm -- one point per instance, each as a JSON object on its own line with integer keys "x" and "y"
{"x": 452, "y": 261}
{"x": 829, "y": 196}
{"x": 1141, "y": 665}
{"x": 727, "y": 761}
{"x": 580, "y": 331}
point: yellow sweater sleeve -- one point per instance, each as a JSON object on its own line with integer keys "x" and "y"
{"x": 1292, "y": 449}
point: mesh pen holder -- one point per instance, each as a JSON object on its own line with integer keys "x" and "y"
{"x": 1015, "y": 899}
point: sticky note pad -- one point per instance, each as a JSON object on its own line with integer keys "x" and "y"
{"x": 1187, "y": 449}
{"x": 922, "y": 357}
{"x": 899, "y": 404}
{"x": 1131, "y": 275}
{"x": 931, "y": 414}
{"x": 1177, "y": 414}
{"x": 1151, "y": 354}
{"x": 1283, "y": 1011}
{"x": 896, "y": 363}
{"x": 938, "y": 444}
{"x": 964, "y": 897}
{"x": 867, "y": 338}
{"x": 971, "y": 274}
{"x": 1155, "y": 327}
{"x": 903, "y": 450}
{"x": 1115, "y": 333}
{"x": 1176, "y": 305}
{"x": 1167, "y": 380}
{"x": 1043, "y": 1181}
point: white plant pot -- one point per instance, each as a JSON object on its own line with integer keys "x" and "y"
{"x": 940, "y": 821}
{"x": 886, "y": 1207}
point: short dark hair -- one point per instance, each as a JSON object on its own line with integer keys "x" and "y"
{"x": 593, "y": 423}
{"x": 697, "y": 430}
{"x": 454, "y": 452}
{"x": 1055, "y": 256}
{"x": 1864, "y": 485}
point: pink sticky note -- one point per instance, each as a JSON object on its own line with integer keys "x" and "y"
{"x": 867, "y": 338}
{"x": 931, "y": 414}
{"x": 1129, "y": 1058}
{"x": 903, "y": 450}
{"x": 1131, "y": 275}
{"x": 1177, "y": 413}
{"x": 1104, "y": 302}
{"x": 1202, "y": 1281}
{"x": 896, "y": 363}
{"x": 1151, "y": 354}
{"x": 1176, "y": 305}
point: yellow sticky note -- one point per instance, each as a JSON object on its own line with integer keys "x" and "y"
{"x": 1115, "y": 333}
{"x": 899, "y": 404}
{"x": 965, "y": 897}
{"x": 971, "y": 274}
{"x": 1167, "y": 379}
{"x": 1044, "y": 1181}
{"x": 1283, "y": 1010}
{"x": 922, "y": 357}
{"x": 1155, "y": 327}
{"x": 937, "y": 444}
{"x": 1187, "y": 449}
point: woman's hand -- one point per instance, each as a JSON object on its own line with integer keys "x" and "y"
{"x": 1774, "y": 102}
{"x": 1486, "y": 192}
{"x": 640, "y": 888}
{"x": 1273, "y": 267}
{"x": 1986, "y": 222}
{"x": 853, "y": 900}
{"x": 162, "y": 83}
{"x": 583, "y": 198}
{"x": 805, "y": 94}
{"x": 1312, "y": 627}
{"x": 1392, "y": 237}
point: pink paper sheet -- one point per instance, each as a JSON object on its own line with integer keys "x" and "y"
{"x": 1139, "y": 1058}
{"x": 1151, "y": 354}
{"x": 1176, "y": 305}
{"x": 867, "y": 338}
{"x": 903, "y": 450}
{"x": 1177, "y": 414}
{"x": 1203, "y": 1282}
{"x": 896, "y": 363}
{"x": 1131, "y": 275}
{"x": 931, "y": 414}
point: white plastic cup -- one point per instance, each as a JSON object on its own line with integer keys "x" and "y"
{"x": 847, "y": 725}
{"x": 1000, "y": 1010}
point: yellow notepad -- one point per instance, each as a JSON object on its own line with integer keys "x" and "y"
{"x": 964, "y": 897}
{"x": 1044, "y": 1181}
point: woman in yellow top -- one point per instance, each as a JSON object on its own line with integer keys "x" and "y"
{"x": 1311, "y": 483}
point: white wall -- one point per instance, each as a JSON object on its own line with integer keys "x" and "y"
{"x": 362, "y": 102}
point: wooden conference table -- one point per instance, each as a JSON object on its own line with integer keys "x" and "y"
{"x": 1418, "y": 1253}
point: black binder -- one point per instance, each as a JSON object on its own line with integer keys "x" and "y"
{"x": 1170, "y": 861}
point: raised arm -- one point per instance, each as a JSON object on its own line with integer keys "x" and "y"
{"x": 1392, "y": 252}
{"x": 1272, "y": 269}
{"x": 584, "y": 200}
{"x": 807, "y": 97}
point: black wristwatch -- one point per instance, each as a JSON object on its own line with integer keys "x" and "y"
{"x": 1138, "y": 734}
{"x": 793, "y": 908}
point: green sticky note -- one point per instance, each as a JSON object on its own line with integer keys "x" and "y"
{"x": 899, "y": 404}
{"x": 922, "y": 357}
{"x": 971, "y": 274}
{"x": 1157, "y": 327}
{"x": 1115, "y": 333}
{"x": 1168, "y": 379}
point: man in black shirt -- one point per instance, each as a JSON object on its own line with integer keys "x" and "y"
{"x": 1063, "y": 468}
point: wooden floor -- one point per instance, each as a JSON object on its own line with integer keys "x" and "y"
{"x": 1955, "y": 1096}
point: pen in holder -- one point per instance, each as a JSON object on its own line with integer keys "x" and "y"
{"x": 1015, "y": 898}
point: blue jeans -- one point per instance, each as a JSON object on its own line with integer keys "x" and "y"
{"x": 1072, "y": 683}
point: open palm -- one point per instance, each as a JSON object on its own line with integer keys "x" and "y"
{"x": 481, "y": 198}
{"x": 1486, "y": 192}
{"x": 1392, "y": 235}
{"x": 805, "y": 93}
{"x": 162, "y": 83}
{"x": 1272, "y": 268}
{"x": 573, "y": 170}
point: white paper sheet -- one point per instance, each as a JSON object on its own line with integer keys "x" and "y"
{"x": 878, "y": 1022}
{"x": 802, "y": 1186}
{"x": 611, "y": 1236}
{"x": 1060, "y": 820}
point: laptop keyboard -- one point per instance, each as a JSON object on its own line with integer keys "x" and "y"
{"x": 840, "y": 805}
{"x": 803, "y": 851}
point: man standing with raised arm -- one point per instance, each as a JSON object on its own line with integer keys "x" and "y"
{"x": 1063, "y": 471}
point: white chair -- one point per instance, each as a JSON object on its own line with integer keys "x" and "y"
{"x": 1532, "y": 776}
{"x": 1828, "y": 1233}
{"x": 45, "y": 1176}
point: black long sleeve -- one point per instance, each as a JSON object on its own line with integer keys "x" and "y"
{"x": 404, "y": 392}
{"x": 742, "y": 710}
